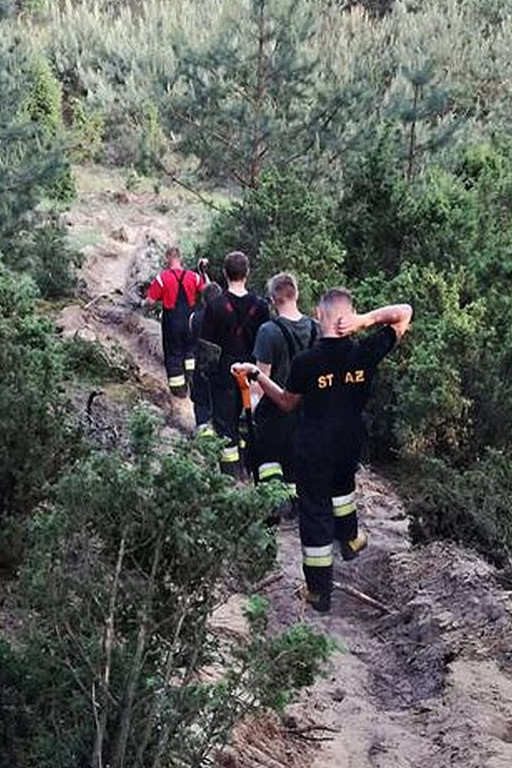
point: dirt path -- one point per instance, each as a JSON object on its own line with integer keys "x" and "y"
{"x": 422, "y": 687}
{"x": 122, "y": 237}
{"x": 427, "y": 685}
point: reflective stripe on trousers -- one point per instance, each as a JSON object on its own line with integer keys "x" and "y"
{"x": 271, "y": 470}
{"x": 344, "y": 505}
{"x": 318, "y": 557}
{"x": 177, "y": 381}
{"x": 205, "y": 430}
{"x": 230, "y": 454}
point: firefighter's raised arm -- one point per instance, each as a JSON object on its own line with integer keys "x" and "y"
{"x": 398, "y": 316}
{"x": 285, "y": 400}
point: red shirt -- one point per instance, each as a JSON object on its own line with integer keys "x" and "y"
{"x": 165, "y": 287}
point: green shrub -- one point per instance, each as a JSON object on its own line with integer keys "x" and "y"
{"x": 36, "y": 434}
{"x": 89, "y": 360}
{"x": 152, "y": 142}
{"x": 281, "y": 225}
{"x": 86, "y": 131}
{"x": 124, "y": 570}
{"x": 44, "y": 98}
{"x": 42, "y": 250}
{"x": 470, "y": 506}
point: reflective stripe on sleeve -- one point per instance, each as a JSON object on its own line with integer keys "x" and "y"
{"x": 292, "y": 490}
{"x": 159, "y": 280}
{"x": 177, "y": 381}
{"x": 190, "y": 364}
{"x": 230, "y": 454}
{"x": 318, "y": 557}
{"x": 344, "y": 505}
{"x": 270, "y": 470}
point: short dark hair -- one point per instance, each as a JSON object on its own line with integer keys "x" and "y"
{"x": 236, "y": 265}
{"x": 283, "y": 287}
{"x": 210, "y": 292}
{"x": 335, "y": 296}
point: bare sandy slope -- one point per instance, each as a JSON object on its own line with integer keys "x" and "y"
{"x": 122, "y": 237}
{"x": 425, "y": 686}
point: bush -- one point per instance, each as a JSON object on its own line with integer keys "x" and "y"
{"x": 41, "y": 249}
{"x": 124, "y": 570}
{"x": 86, "y": 128}
{"x": 36, "y": 436}
{"x": 471, "y": 506}
{"x": 281, "y": 225}
{"x": 89, "y": 360}
{"x": 44, "y": 97}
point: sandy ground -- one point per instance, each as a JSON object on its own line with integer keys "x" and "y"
{"x": 426, "y": 685}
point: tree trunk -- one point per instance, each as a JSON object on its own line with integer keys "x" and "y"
{"x": 97, "y": 760}
{"x": 258, "y": 149}
{"x": 133, "y": 680}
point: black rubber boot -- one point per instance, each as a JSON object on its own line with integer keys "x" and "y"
{"x": 321, "y": 603}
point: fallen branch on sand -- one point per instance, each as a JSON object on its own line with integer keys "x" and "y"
{"x": 362, "y": 596}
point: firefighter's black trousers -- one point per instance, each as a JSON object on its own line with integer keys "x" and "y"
{"x": 177, "y": 345}
{"x": 201, "y": 394}
{"x": 275, "y": 432}
{"x": 327, "y": 510}
{"x": 227, "y": 409}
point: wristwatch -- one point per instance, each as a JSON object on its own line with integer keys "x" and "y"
{"x": 254, "y": 375}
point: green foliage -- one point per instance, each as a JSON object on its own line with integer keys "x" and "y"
{"x": 36, "y": 436}
{"x": 281, "y": 225}
{"x": 42, "y": 250}
{"x": 152, "y": 144}
{"x": 44, "y": 98}
{"x": 471, "y": 507}
{"x": 240, "y": 102}
{"x": 124, "y": 570}
{"x": 86, "y": 131}
{"x": 284, "y": 664}
{"x": 90, "y": 361}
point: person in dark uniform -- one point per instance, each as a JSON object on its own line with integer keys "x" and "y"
{"x": 277, "y": 343}
{"x": 230, "y": 322}
{"x": 178, "y": 290}
{"x": 333, "y": 382}
{"x": 200, "y": 390}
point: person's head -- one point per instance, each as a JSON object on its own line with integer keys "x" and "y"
{"x": 236, "y": 267}
{"x": 333, "y": 305}
{"x": 173, "y": 257}
{"x": 283, "y": 289}
{"x": 210, "y": 292}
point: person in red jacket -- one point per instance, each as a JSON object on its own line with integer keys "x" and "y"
{"x": 178, "y": 290}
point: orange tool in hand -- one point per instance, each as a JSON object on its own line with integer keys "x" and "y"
{"x": 245, "y": 391}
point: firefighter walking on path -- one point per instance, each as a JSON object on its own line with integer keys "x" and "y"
{"x": 277, "y": 343}
{"x": 178, "y": 290}
{"x": 230, "y": 322}
{"x": 333, "y": 381}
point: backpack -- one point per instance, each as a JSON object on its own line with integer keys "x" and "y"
{"x": 293, "y": 344}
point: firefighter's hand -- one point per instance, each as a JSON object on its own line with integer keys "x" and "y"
{"x": 202, "y": 265}
{"x": 247, "y": 368}
{"x": 350, "y": 323}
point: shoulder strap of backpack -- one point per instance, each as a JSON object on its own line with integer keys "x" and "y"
{"x": 314, "y": 333}
{"x": 292, "y": 341}
{"x": 288, "y": 337}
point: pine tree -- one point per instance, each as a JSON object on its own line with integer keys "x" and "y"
{"x": 246, "y": 99}
{"x": 30, "y": 161}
